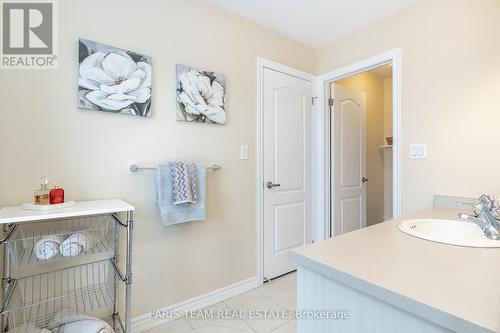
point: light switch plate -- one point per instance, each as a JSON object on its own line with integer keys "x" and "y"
{"x": 244, "y": 152}
{"x": 418, "y": 151}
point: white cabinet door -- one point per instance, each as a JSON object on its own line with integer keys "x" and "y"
{"x": 349, "y": 160}
{"x": 288, "y": 154}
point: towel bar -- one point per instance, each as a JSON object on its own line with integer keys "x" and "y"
{"x": 135, "y": 167}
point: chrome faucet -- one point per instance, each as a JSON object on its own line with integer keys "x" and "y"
{"x": 485, "y": 220}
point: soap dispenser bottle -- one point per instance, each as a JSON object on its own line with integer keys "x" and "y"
{"x": 56, "y": 195}
{"x": 42, "y": 195}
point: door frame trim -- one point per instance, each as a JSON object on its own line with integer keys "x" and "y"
{"x": 263, "y": 63}
{"x": 323, "y": 143}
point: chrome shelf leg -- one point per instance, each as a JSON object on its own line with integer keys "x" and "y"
{"x": 128, "y": 273}
{"x": 5, "y": 275}
{"x": 116, "y": 243}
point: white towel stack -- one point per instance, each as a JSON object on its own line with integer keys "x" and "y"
{"x": 48, "y": 247}
{"x": 77, "y": 243}
{"x": 79, "y": 324}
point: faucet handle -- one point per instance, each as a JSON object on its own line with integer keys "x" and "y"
{"x": 491, "y": 203}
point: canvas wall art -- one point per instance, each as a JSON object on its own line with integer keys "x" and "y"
{"x": 201, "y": 96}
{"x": 114, "y": 80}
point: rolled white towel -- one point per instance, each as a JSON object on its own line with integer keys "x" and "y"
{"x": 77, "y": 242}
{"x": 28, "y": 328}
{"x": 85, "y": 326}
{"x": 47, "y": 247}
{"x": 80, "y": 324}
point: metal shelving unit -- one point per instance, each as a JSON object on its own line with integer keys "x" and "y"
{"x": 44, "y": 292}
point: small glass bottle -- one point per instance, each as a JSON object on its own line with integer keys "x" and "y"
{"x": 56, "y": 195}
{"x": 42, "y": 195}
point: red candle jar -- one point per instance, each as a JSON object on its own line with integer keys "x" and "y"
{"x": 56, "y": 195}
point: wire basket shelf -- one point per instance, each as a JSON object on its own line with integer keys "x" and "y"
{"x": 48, "y": 298}
{"x": 91, "y": 237}
{"x": 114, "y": 321}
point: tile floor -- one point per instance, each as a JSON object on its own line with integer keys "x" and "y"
{"x": 278, "y": 294}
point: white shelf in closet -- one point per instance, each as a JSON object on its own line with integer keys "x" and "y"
{"x": 386, "y": 147}
{"x": 82, "y": 208}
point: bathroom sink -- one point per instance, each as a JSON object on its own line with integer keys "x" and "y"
{"x": 448, "y": 232}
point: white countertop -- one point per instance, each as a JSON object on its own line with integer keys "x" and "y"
{"x": 81, "y": 208}
{"x": 455, "y": 287}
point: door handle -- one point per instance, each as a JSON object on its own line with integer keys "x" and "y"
{"x": 270, "y": 185}
{"x": 364, "y": 179}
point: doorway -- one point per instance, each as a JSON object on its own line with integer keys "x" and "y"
{"x": 324, "y": 210}
{"x": 361, "y": 143}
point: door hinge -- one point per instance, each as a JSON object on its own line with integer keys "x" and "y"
{"x": 313, "y": 99}
{"x": 330, "y": 101}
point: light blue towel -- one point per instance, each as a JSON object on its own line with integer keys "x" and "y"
{"x": 173, "y": 214}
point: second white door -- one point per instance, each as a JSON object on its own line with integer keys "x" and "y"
{"x": 348, "y": 160}
{"x": 287, "y": 168}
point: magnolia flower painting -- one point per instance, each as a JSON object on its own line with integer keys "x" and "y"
{"x": 201, "y": 96}
{"x": 113, "y": 80}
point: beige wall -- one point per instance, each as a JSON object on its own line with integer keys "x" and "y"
{"x": 450, "y": 84}
{"x": 387, "y": 107}
{"x": 387, "y": 152}
{"x": 43, "y": 133}
{"x": 373, "y": 87}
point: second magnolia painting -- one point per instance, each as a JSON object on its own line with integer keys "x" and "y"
{"x": 201, "y": 96}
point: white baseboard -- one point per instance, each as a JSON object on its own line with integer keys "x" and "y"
{"x": 145, "y": 322}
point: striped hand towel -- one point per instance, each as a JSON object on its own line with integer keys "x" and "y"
{"x": 173, "y": 214}
{"x": 184, "y": 182}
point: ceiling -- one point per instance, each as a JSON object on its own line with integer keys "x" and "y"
{"x": 314, "y": 22}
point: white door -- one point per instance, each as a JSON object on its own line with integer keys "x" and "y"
{"x": 348, "y": 160}
{"x": 287, "y": 163}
